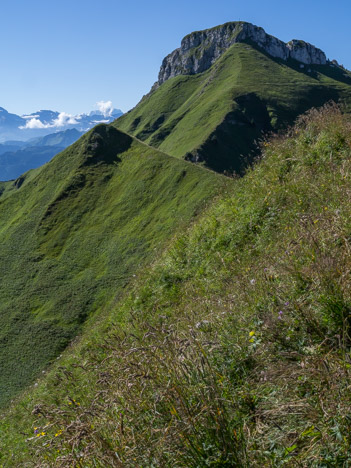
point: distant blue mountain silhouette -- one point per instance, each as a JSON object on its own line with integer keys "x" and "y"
{"x": 45, "y": 122}
{"x": 29, "y": 141}
{"x": 17, "y": 157}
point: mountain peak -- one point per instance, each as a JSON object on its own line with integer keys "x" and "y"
{"x": 200, "y": 49}
{"x": 104, "y": 143}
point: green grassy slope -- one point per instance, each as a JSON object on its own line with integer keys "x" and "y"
{"x": 234, "y": 348}
{"x": 214, "y": 117}
{"x": 3, "y": 187}
{"x": 74, "y": 231}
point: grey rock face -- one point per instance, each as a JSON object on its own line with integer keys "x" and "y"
{"x": 199, "y": 50}
{"x": 306, "y": 53}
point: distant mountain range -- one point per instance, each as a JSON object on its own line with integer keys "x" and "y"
{"x": 28, "y": 141}
{"x": 17, "y": 157}
{"x": 45, "y": 122}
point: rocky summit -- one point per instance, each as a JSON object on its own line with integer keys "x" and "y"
{"x": 199, "y": 50}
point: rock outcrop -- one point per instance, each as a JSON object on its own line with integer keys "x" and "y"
{"x": 199, "y": 50}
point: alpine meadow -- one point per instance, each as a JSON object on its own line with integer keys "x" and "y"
{"x": 175, "y": 285}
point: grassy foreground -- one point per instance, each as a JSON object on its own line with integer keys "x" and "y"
{"x": 234, "y": 348}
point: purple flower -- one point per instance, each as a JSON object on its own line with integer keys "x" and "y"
{"x": 280, "y": 315}
{"x": 286, "y": 304}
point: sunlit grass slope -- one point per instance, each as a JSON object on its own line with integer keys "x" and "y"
{"x": 215, "y": 117}
{"x": 74, "y": 231}
{"x": 234, "y": 348}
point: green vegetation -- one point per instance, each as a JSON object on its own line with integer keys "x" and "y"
{"x": 215, "y": 117}
{"x": 233, "y": 349}
{"x": 3, "y": 186}
{"x": 202, "y": 320}
{"x": 73, "y": 232}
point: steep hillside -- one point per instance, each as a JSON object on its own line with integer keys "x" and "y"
{"x": 213, "y": 113}
{"x": 72, "y": 234}
{"x": 3, "y": 186}
{"x": 234, "y": 348}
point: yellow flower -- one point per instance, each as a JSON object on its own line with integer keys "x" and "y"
{"x": 251, "y": 333}
{"x": 173, "y": 411}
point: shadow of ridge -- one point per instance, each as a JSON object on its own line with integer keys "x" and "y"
{"x": 104, "y": 144}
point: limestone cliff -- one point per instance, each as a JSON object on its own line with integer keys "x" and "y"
{"x": 199, "y": 50}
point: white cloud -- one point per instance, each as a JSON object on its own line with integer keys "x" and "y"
{"x": 34, "y": 123}
{"x": 105, "y": 107}
{"x": 62, "y": 120}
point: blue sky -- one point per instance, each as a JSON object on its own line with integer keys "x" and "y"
{"x": 66, "y": 55}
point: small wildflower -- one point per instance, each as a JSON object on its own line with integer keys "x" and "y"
{"x": 173, "y": 411}
{"x": 251, "y": 333}
{"x": 252, "y": 282}
{"x": 280, "y": 315}
{"x": 286, "y": 303}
